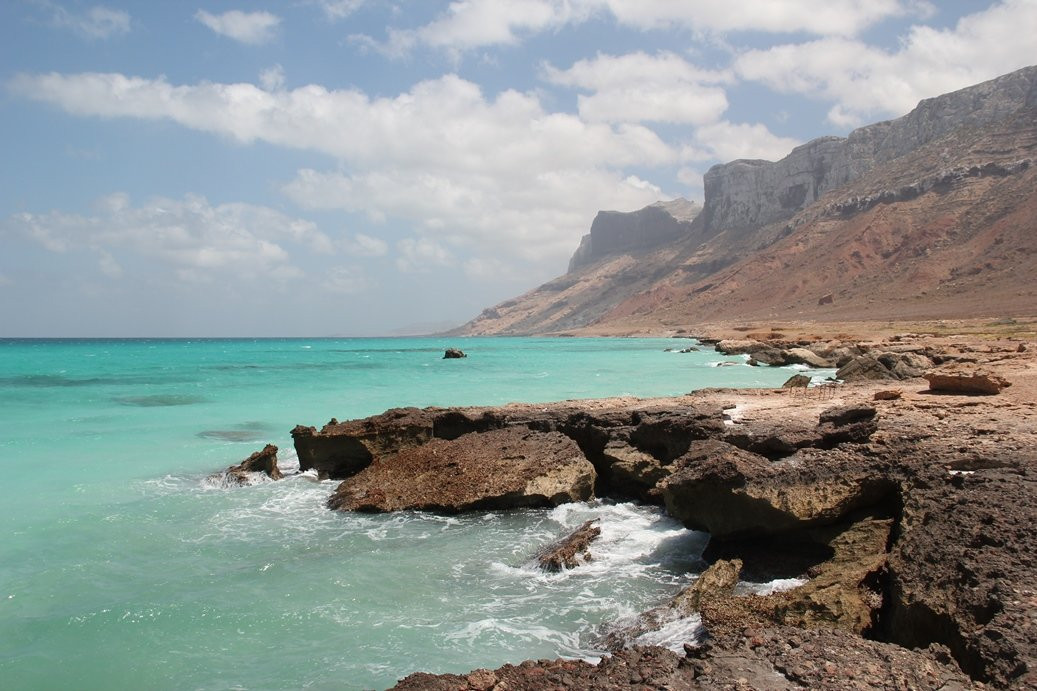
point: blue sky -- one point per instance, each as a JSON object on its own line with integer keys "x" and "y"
{"x": 365, "y": 167}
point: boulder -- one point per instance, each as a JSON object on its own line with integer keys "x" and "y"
{"x": 966, "y": 383}
{"x": 453, "y": 354}
{"x": 740, "y": 347}
{"x": 342, "y": 449}
{"x": 719, "y": 580}
{"x": 864, "y": 368}
{"x": 264, "y": 461}
{"x": 570, "y": 551}
{"x": 804, "y": 356}
{"x": 796, "y": 381}
{"x": 631, "y": 471}
{"x": 732, "y": 493}
{"x": 506, "y": 468}
{"x": 884, "y": 365}
{"x": 773, "y": 357}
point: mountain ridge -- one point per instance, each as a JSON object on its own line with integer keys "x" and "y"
{"x": 914, "y": 180}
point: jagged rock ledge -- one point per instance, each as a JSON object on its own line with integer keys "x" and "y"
{"x": 909, "y": 519}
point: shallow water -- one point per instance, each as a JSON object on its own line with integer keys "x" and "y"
{"x": 124, "y": 566}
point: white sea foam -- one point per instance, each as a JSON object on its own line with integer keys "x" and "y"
{"x": 776, "y": 586}
{"x": 674, "y": 633}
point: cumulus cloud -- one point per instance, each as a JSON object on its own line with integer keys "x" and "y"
{"x": 865, "y": 82}
{"x": 820, "y": 17}
{"x": 97, "y": 22}
{"x": 499, "y": 173}
{"x": 338, "y": 9}
{"x": 253, "y": 28}
{"x": 469, "y": 24}
{"x": 196, "y": 239}
{"x": 638, "y": 87}
{"x": 363, "y": 245}
{"x": 728, "y": 141}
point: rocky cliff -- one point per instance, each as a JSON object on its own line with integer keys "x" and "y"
{"x": 617, "y": 232}
{"x": 926, "y": 216}
{"x": 744, "y": 195}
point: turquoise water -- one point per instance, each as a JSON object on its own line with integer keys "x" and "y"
{"x": 123, "y": 566}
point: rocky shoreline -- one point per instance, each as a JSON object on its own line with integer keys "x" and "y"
{"x": 908, "y": 515}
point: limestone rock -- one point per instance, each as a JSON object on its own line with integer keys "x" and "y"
{"x": 966, "y": 383}
{"x": 718, "y": 580}
{"x": 264, "y": 461}
{"x": 796, "y": 381}
{"x": 500, "y": 469}
{"x": 804, "y": 356}
{"x": 342, "y": 449}
{"x": 730, "y": 493}
{"x": 570, "y": 551}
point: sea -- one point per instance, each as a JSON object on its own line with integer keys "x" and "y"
{"x": 125, "y": 564}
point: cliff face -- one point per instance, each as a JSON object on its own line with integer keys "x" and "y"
{"x": 743, "y": 195}
{"x": 927, "y": 216}
{"x": 615, "y": 232}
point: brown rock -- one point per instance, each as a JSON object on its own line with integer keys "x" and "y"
{"x": 570, "y": 551}
{"x": 264, "y": 461}
{"x": 887, "y": 395}
{"x": 966, "y": 383}
{"x": 730, "y": 493}
{"x": 453, "y": 354}
{"x": 500, "y": 469}
{"x": 718, "y": 580}
{"x": 796, "y": 381}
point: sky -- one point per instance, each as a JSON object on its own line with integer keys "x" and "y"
{"x": 382, "y": 167}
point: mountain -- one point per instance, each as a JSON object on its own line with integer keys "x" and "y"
{"x": 931, "y": 215}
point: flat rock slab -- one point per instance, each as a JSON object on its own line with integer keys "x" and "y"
{"x": 966, "y": 383}
{"x": 500, "y": 469}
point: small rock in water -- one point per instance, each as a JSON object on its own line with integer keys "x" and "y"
{"x": 453, "y": 354}
{"x": 264, "y": 461}
{"x": 570, "y": 551}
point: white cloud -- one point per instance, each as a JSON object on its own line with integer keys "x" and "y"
{"x": 246, "y": 27}
{"x": 272, "y": 78}
{"x": 338, "y": 9}
{"x": 820, "y": 17}
{"x": 501, "y": 174}
{"x": 193, "y": 237}
{"x": 728, "y": 141}
{"x": 445, "y": 123}
{"x": 97, "y": 22}
{"x": 421, "y": 254}
{"x": 638, "y": 87}
{"x": 470, "y": 24}
{"x": 362, "y": 245}
{"x": 865, "y": 82}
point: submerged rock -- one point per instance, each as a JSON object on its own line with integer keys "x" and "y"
{"x": 499, "y": 469}
{"x": 570, "y": 551}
